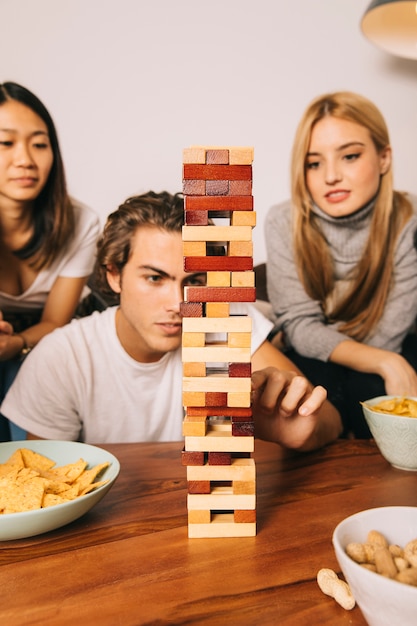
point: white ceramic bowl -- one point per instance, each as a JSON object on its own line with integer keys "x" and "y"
{"x": 395, "y": 435}
{"x": 383, "y": 602}
{"x": 30, "y": 523}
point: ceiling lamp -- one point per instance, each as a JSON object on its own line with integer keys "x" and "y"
{"x": 392, "y": 25}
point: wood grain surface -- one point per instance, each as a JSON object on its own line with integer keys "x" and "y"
{"x": 129, "y": 561}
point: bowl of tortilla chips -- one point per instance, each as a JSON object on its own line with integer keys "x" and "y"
{"x": 46, "y": 484}
{"x": 392, "y": 421}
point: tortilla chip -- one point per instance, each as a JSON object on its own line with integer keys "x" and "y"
{"x": 18, "y": 496}
{"x": 16, "y": 458}
{"x": 90, "y": 475}
{"x": 36, "y": 461}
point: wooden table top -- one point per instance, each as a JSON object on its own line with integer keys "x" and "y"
{"x": 129, "y": 561}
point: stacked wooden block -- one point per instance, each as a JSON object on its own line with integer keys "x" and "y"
{"x": 216, "y": 349}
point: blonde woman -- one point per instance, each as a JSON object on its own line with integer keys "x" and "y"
{"x": 342, "y": 261}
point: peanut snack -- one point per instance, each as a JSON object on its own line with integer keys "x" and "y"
{"x": 390, "y": 561}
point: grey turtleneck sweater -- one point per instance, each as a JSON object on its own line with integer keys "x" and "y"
{"x": 301, "y": 318}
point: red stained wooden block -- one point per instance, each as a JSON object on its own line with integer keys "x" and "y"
{"x": 240, "y": 370}
{"x": 217, "y": 157}
{"x": 244, "y": 517}
{"x": 223, "y": 411}
{"x": 198, "y": 486}
{"x": 192, "y": 458}
{"x": 240, "y": 188}
{"x": 191, "y": 309}
{"x": 193, "y": 171}
{"x": 221, "y": 294}
{"x": 243, "y": 429}
{"x": 194, "y": 187}
{"x": 216, "y": 187}
{"x": 196, "y": 218}
{"x": 218, "y": 203}
{"x": 216, "y": 398}
{"x": 219, "y": 458}
{"x": 218, "y": 263}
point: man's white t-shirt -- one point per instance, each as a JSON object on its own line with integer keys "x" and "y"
{"x": 80, "y": 384}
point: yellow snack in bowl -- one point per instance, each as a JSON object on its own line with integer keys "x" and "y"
{"x": 396, "y": 406}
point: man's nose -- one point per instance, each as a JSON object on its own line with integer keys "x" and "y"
{"x": 176, "y": 296}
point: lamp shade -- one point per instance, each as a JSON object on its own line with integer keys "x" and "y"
{"x": 392, "y": 25}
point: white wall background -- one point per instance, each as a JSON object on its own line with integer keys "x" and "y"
{"x": 130, "y": 83}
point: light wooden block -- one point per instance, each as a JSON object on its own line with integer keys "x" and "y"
{"x": 194, "y": 369}
{"x": 193, "y": 429}
{"x": 218, "y": 279}
{"x": 216, "y": 441}
{"x": 243, "y": 470}
{"x": 194, "y": 155}
{"x": 239, "y": 399}
{"x": 243, "y": 279}
{"x": 237, "y": 324}
{"x": 219, "y": 528}
{"x": 194, "y": 248}
{"x": 196, "y": 340}
{"x": 239, "y": 248}
{"x": 199, "y": 517}
{"x": 238, "y": 340}
{"x": 247, "y": 487}
{"x": 217, "y": 233}
{"x": 217, "y": 309}
{"x": 221, "y": 499}
{"x": 216, "y": 354}
{"x": 243, "y": 218}
{"x": 217, "y": 383}
{"x": 241, "y": 156}
{"x": 193, "y": 398}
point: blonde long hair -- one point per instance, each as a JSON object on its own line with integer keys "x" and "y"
{"x": 361, "y": 308}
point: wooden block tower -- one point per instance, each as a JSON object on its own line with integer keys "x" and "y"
{"x": 216, "y": 342}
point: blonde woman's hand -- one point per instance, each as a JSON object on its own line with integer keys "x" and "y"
{"x": 399, "y": 376}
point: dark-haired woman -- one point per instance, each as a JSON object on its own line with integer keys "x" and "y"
{"x": 47, "y": 241}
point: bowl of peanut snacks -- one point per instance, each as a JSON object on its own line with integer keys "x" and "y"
{"x": 377, "y": 553}
{"x": 392, "y": 421}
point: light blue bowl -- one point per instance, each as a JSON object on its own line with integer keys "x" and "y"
{"x": 395, "y": 435}
{"x": 30, "y": 523}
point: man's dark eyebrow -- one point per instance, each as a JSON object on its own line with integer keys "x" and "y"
{"x": 157, "y": 270}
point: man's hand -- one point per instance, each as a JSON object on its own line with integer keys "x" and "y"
{"x": 289, "y": 411}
